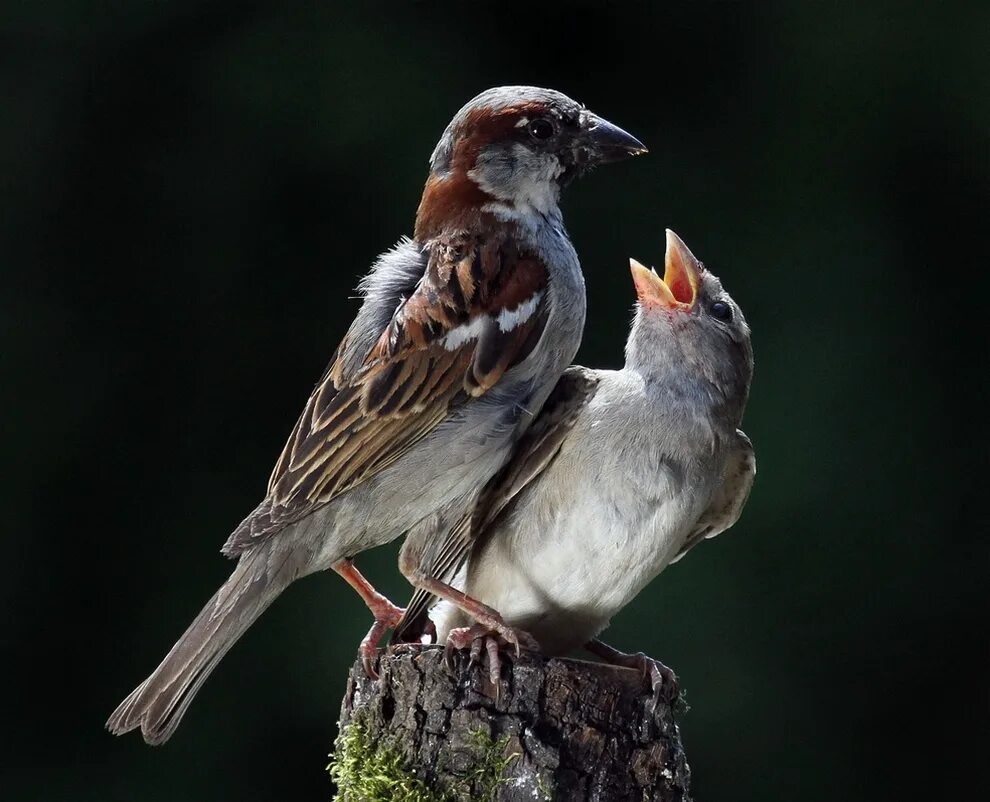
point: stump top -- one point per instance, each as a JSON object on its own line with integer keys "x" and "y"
{"x": 555, "y": 728}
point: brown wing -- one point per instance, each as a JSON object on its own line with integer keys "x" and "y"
{"x": 727, "y": 504}
{"x": 536, "y": 450}
{"x": 479, "y": 309}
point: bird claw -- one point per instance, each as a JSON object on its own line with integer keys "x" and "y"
{"x": 385, "y": 619}
{"x": 663, "y": 680}
{"x": 490, "y": 639}
{"x": 518, "y": 638}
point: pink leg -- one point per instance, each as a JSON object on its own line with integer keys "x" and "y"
{"x": 386, "y": 614}
{"x": 662, "y": 679}
{"x": 490, "y": 633}
{"x": 488, "y": 619}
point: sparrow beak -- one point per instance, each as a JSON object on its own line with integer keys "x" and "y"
{"x": 678, "y": 289}
{"x": 605, "y": 142}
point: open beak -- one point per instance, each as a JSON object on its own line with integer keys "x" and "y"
{"x": 678, "y": 289}
{"x": 605, "y": 142}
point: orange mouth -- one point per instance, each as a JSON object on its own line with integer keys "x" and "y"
{"x": 678, "y": 289}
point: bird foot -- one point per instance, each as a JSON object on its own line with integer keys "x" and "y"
{"x": 387, "y": 616}
{"x": 489, "y": 621}
{"x": 662, "y": 679}
{"x": 491, "y": 640}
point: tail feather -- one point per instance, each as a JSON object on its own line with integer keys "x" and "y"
{"x": 158, "y": 704}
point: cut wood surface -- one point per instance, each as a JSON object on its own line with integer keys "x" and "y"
{"x": 555, "y": 729}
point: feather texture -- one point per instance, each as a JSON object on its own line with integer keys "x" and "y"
{"x": 477, "y": 309}
{"x": 533, "y": 454}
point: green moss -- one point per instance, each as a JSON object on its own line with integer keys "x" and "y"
{"x": 489, "y": 771}
{"x": 368, "y": 772}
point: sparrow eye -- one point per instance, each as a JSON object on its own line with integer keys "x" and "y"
{"x": 720, "y": 310}
{"x": 541, "y": 128}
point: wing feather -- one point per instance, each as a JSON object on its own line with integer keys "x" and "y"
{"x": 728, "y": 502}
{"x": 478, "y": 309}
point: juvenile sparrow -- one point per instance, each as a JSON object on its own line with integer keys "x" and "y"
{"x": 463, "y": 332}
{"x": 621, "y": 474}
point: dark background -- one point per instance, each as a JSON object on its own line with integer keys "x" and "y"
{"x": 190, "y": 192}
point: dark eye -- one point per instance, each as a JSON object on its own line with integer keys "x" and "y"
{"x": 541, "y": 128}
{"x": 720, "y": 310}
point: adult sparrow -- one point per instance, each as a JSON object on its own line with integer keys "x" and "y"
{"x": 463, "y": 332}
{"x": 621, "y": 474}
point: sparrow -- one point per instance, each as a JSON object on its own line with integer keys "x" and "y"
{"x": 622, "y": 473}
{"x": 463, "y": 331}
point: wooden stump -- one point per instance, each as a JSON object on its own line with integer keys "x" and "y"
{"x": 557, "y": 729}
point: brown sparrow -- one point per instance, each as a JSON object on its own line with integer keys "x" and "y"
{"x": 463, "y": 332}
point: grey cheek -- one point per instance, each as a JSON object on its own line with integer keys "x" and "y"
{"x": 508, "y": 160}
{"x": 506, "y": 168}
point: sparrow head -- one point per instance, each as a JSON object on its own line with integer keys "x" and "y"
{"x": 687, "y": 326}
{"x": 510, "y": 150}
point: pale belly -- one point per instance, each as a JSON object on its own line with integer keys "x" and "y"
{"x": 563, "y": 580}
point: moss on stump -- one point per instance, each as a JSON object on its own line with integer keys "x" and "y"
{"x": 556, "y": 729}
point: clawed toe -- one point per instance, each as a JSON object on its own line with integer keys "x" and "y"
{"x": 663, "y": 681}
{"x": 518, "y": 638}
{"x": 369, "y": 663}
{"x": 486, "y": 645}
{"x": 457, "y": 640}
{"x": 369, "y": 649}
{"x": 476, "y": 645}
{"x": 385, "y": 620}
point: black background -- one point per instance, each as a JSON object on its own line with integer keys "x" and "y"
{"x": 191, "y": 191}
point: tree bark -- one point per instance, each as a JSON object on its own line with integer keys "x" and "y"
{"x": 556, "y": 729}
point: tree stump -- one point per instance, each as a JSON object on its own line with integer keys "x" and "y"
{"x": 556, "y": 729}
